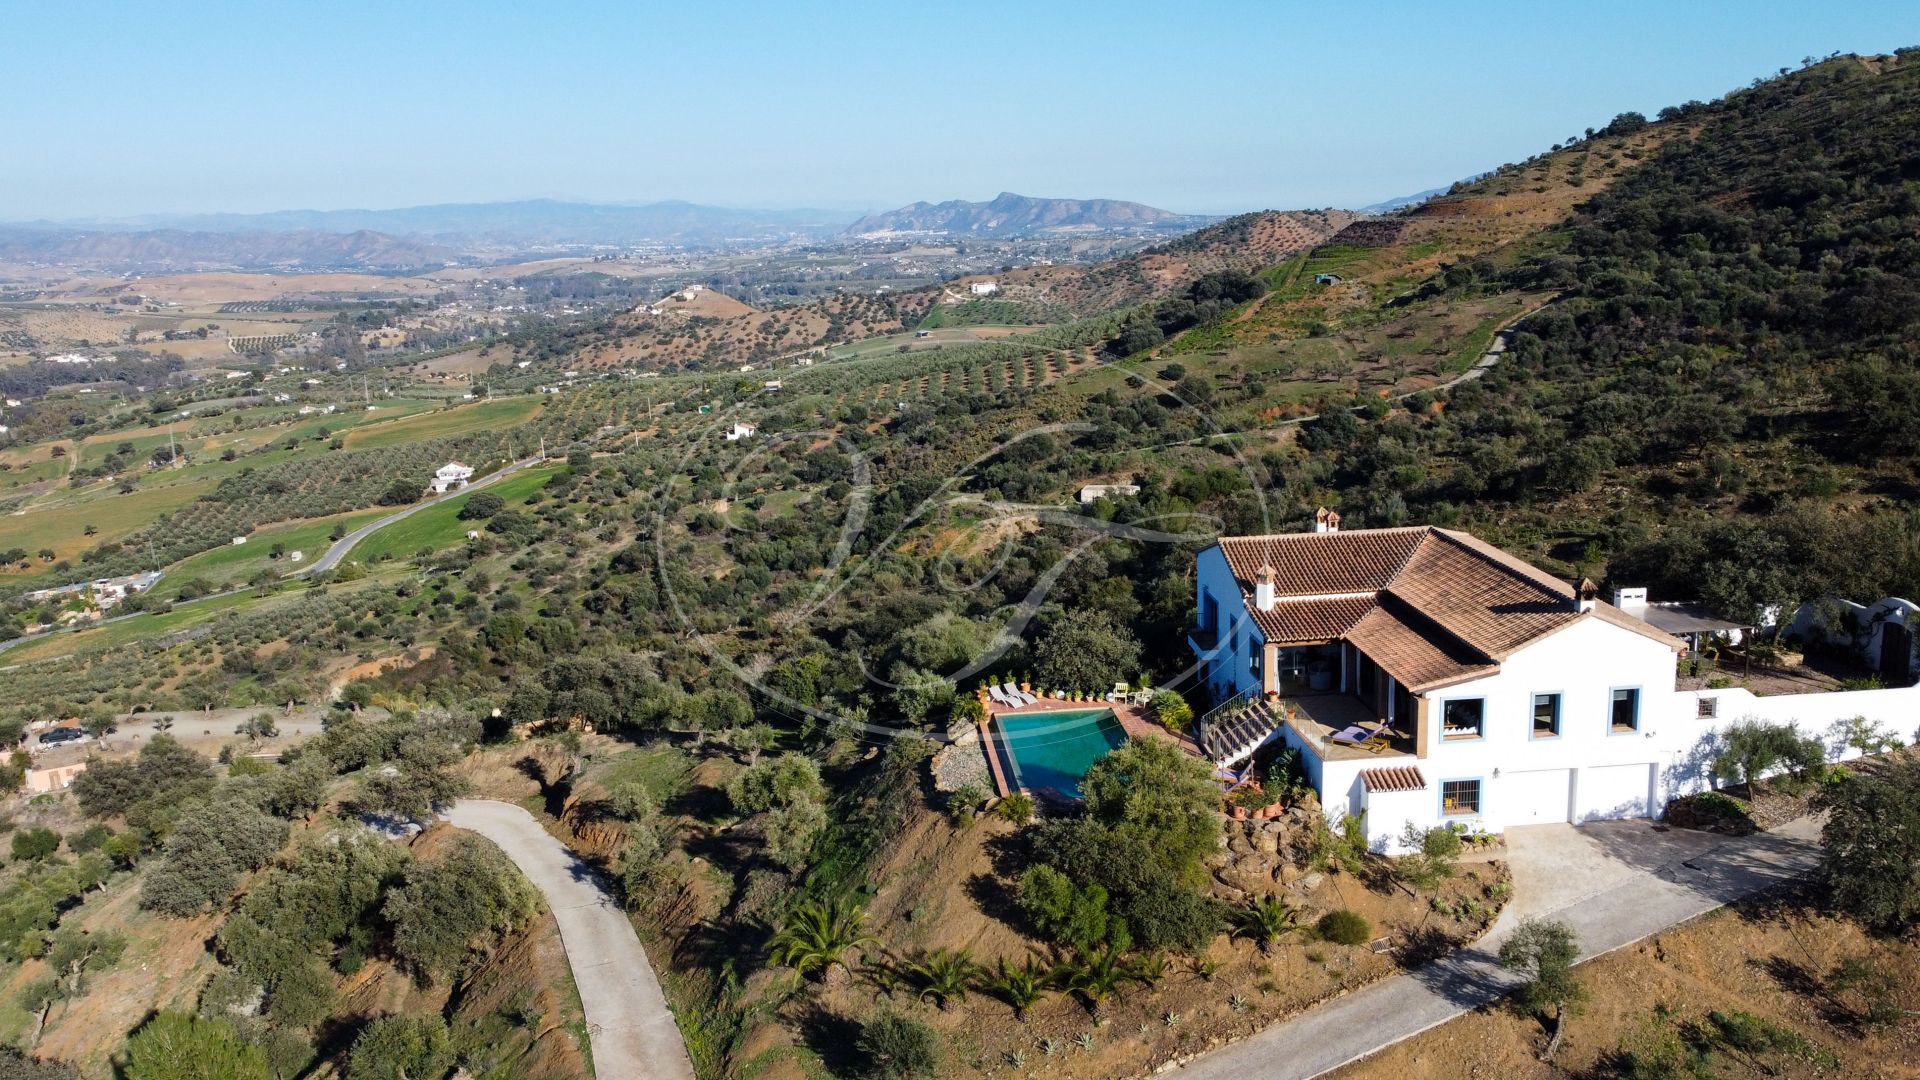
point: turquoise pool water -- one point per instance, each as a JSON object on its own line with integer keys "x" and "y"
{"x": 1053, "y": 749}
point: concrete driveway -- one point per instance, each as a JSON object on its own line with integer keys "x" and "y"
{"x": 1613, "y": 882}
{"x": 631, "y": 1030}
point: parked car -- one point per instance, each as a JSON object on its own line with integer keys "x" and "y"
{"x": 61, "y": 736}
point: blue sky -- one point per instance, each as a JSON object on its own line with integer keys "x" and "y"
{"x": 1198, "y": 107}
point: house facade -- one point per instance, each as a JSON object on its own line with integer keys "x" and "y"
{"x": 451, "y": 477}
{"x": 1427, "y": 678}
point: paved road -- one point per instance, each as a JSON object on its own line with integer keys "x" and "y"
{"x": 632, "y": 1031}
{"x": 345, "y": 544}
{"x": 1646, "y": 882}
{"x": 327, "y": 561}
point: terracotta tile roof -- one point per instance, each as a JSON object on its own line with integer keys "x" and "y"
{"x": 1321, "y": 564}
{"x": 1394, "y": 778}
{"x": 1431, "y": 606}
{"x": 1298, "y": 621}
{"x": 1488, "y": 600}
{"x": 1418, "y": 654}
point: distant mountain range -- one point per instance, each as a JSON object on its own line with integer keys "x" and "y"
{"x": 420, "y": 237}
{"x": 1015, "y": 215}
{"x": 167, "y": 250}
{"x": 522, "y": 223}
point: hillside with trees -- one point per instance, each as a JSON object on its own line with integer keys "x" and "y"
{"x": 721, "y": 668}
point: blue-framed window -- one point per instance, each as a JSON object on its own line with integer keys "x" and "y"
{"x": 1623, "y": 710}
{"x": 1463, "y": 797}
{"x": 1546, "y": 716}
{"x": 1253, "y": 654}
{"x": 1463, "y": 718}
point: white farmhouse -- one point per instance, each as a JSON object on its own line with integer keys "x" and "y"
{"x": 741, "y": 431}
{"x": 1092, "y": 493}
{"x": 984, "y": 288}
{"x": 451, "y": 477}
{"x": 1427, "y": 677}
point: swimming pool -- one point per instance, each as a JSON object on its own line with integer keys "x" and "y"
{"x": 1054, "y": 749}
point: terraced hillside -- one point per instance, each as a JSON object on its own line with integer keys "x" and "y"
{"x": 674, "y": 339}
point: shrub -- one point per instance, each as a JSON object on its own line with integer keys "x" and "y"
{"x": 1169, "y": 916}
{"x": 162, "y": 771}
{"x": 210, "y": 847}
{"x": 91, "y": 838}
{"x": 898, "y": 1047}
{"x": 182, "y": 1046}
{"x": 443, "y": 908}
{"x": 1345, "y": 927}
{"x": 35, "y": 843}
{"x": 1434, "y": 856}
{"x": 1872, "y": 841}
{"x": 1017, "y": 808}
{"x": 1749, "y": 749}
{"x": 1061, "y": 911}
{"x": 481, "y": 505}
{"x": 1172, "y": 710}
{"x": 1544, "y": 952}
{"x": 401, "y": 1046}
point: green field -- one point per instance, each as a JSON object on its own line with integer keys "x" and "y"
{"x": 439, "y": 525}
{"x": 121, "y": 633}
{"x": 63, "y": 527}
{"x": 481, "y": 415}
{"x": 233, "y": 563}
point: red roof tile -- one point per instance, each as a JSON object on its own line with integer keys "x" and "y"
{"x": 1431, "y": 606}
{"x": 1394, "y": 778}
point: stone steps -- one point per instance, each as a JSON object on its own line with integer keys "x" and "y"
{"x": 1232, "y": 739}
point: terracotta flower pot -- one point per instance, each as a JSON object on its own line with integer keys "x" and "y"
{"x": 1239, "y": 813}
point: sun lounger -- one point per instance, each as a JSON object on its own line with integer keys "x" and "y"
{"x": 1013, "y": 691}
{"x": 995, "y": 693}
{"x": 1372, "y": 740}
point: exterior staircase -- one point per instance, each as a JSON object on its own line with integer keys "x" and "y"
{"x": 1233, "y": 730}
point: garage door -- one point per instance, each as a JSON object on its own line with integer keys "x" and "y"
{"x": 1532, "y": 798}
{"x": 1613, "y": 791}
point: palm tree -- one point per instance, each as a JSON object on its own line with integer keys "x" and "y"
{"x": 1022, "y": 986}
{"x": 1147, "y": 970}
{"x": 1264, "y": 921}
{"x": 944, "y": 975}
{"x": 820, "y": 935}
{"x": 1097, "y": 977}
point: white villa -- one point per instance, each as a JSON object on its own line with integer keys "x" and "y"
{"x": 741, "y": 431}
{"x": 1427, "y": 677}
{"x": 450, "y": 477}
{"x": 984, "y": 288}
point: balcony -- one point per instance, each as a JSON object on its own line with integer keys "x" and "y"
{"x": 1203, "y": 639}
{"x": 1317, "y": 717}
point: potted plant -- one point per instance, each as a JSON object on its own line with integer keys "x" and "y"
{"x": 1026, "y": 683}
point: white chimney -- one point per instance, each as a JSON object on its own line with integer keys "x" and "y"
{"x": 1263, "y": 588}
{"x": 1630, "y": 599}
{"x": 1586, "y": 595}
{"x": 1326, "y": 521}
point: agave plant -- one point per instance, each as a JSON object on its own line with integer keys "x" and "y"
{"x": 944, "y": 975}
{"x": 1021, "y": 986}
{"x": 819, "y": 936}
{"x": 1264, "y": 921}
